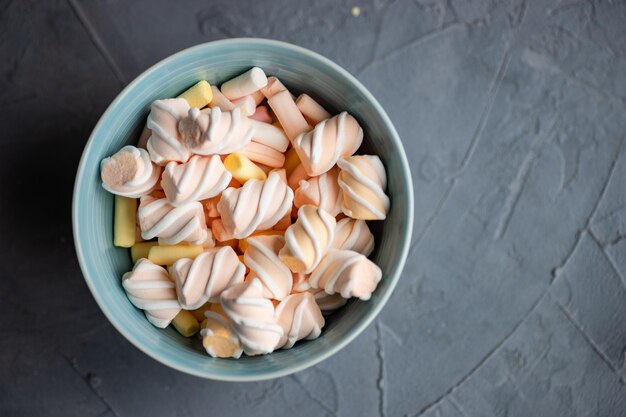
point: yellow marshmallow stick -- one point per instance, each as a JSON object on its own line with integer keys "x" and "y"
{"x": 141, "y": 250}
{"x": 242, "y": 169}
{"x": 186, "y": 323}
{"x": 199, "y": 95}
{"x": 124, "y": 221}
{"x": 167, "y": 255}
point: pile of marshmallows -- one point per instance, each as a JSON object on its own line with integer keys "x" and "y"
{"x": 251, "y": 214}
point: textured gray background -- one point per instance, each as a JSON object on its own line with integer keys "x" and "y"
{"x": 513, "y": 115}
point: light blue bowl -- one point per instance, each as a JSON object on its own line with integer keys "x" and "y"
{"x": 301, "y": 70}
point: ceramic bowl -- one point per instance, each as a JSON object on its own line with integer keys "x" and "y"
{"x": 303, "y": 72}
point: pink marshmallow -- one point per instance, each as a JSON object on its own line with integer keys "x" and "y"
{"x": 297, "y": 175}
{"x": 273, "y": 86}
{"x": 311, "y": 109}
{"x": 288, "y": 115}
{"x": 263, "y": 154}
{"x": 262, "y": 114}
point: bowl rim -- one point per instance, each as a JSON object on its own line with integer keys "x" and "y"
{"x": 348, "y": 336}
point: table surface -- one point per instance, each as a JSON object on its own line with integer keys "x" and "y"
{"x": 512, "y": 113}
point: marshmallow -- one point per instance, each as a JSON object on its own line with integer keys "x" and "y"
{"x": 149, "y": 288}
{"x": 263, "y": 154}
{"x": 165, "y": 144}
{"x": 346, "y": 272}
{"x": 124, "y": 222}
{"x": 322, "y": 191}
{"x": 231, "y": 243}
{"x": 143, "y": 138}
{"x": 186, "y": 323}
{"x": 300, "y": 317}
{"x": 199, "y": 95}
{"x": 297, "y": 175}
{"x": 307, "y": 240}
{"x": 141, "y": 250}
{"x": 242, "y": 168}
{"x": 129, "y": 173}
{"x": 157, "y": 193}
{"x": 273, "y": 86}
{"x": 328, "y": 303}
{"x": 216, "y": 132}
{"x": 264, "y": 168}
{"x": 301, "y": 282}
{"x": 247, "y": 83}
{"x": 219, "y": 100}
{"x": 262, "y": 114}
{"x": 219, "y": 232}
{"x": 258, "y": 97}
{"x": 252, "y": 317}
{"x": 320, "y": 149}
{"x": 353, "y": 235}
{"x": 256, "y": 205}
{"x": 168, "y": 254}
{"x": 311, "y": 110}
{"x": 219, "y": 338}
{"x": 246, "y": 104}
{"x": 204, "y": 278}
{"x": 261, "y": 256}
{"x": 291, "y": 161}
{"x": 283, "y": 223}
{"x": 269, "y": 135}
{"x": 172, "y": 225}
{"x": 210, "y": 206}
{"x": 288, "y": 115}
{"x": 198, "y": 179}
{"x": 363, "y": 181}
{"x": 243, "y": 243}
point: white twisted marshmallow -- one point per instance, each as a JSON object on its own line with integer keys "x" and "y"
{"x": 149, "y": 288}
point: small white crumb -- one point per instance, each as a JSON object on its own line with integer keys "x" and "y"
{"x": 356, "y": 11}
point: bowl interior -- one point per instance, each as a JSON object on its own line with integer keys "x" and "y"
{"x": 302, "y": 71}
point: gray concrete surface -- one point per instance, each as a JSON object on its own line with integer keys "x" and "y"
{"x": 513, "y": 115}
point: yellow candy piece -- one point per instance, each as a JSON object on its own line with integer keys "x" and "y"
{"x": 291, "y": 161}
{"x": 243, "y": 169}
{"x": 167, "y": 255}
{"x": 141, "y": 250}
{"x": 199, "y": 95}
{"x": 124, "y": 221}
{"x": 199, "y": 312}
{"x": 186, "y": 323}
{"x": 243, "y": 243}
